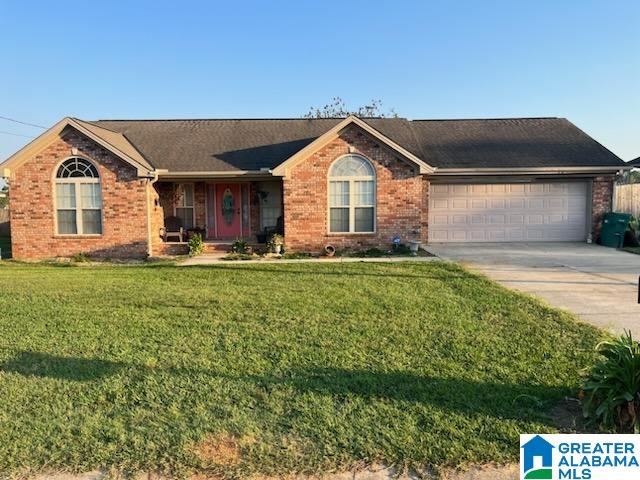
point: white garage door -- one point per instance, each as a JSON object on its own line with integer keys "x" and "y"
{"x": 509, "y": 212}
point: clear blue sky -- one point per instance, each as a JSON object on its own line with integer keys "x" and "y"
{"x": 426, "y": 59}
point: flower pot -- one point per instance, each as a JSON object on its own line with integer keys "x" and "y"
{"x": 414, "y": 246}
{"x": 330, "y": 250}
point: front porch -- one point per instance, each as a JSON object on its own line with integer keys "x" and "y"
{"x": 222, "y": 211}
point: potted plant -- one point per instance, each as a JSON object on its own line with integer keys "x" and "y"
{"x": 329, "y": 250}
{"x": 239, "y": 246}
{"x": 275, "y": 243}
{"x": 414, "y": 246}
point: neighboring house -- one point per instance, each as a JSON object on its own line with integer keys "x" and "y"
{"x": 106, "y": 187}
{"x": 635, "y": 163}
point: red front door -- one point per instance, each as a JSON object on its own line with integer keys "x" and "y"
{"x": 228, "y": 210}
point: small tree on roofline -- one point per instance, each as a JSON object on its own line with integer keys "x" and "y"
{"x": 338, "y": 109}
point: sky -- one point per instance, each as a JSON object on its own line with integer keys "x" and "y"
{"x": 262, "y": 59}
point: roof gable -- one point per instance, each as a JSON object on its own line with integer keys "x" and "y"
{"x": 115, "y": 142}
{"x": 318, "y": 143}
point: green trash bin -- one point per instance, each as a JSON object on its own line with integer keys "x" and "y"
{"x": 613, "y": 227}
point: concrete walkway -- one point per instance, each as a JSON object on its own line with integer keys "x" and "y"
{"x": 510, "y": 472}
{"x": 599, "y": 284}
{"x": 218, "y": 259}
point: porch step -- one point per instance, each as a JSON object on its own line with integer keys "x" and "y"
{"x": 217, "y": 247}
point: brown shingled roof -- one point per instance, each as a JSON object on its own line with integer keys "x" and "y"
{"x": 252, "y": 144}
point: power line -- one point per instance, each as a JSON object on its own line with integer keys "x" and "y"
{"x": 23, "y": 123}
{"x": 17, "y": 134}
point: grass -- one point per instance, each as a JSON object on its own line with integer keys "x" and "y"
{"x": 635, "y": 250}
{"x": 236, "y": 370}
{"x": 5, "y": 247}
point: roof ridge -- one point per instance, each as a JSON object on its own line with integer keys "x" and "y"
{"x": 484, "y": 119}
{"x": 315, "y": 119}
{"x": 207, "y": 119}
{"x": 93, "y": 123}
{"x": 234, "y": 119}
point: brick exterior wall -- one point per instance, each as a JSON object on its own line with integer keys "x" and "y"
{"x": 601, "y": 202}
{"x": 124, "y": 199}
{"x": 401, "y": 197}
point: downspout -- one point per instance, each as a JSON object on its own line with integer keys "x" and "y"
{"x": 153, "y": 179}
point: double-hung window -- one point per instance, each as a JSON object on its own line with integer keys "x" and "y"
{"x": 184, "y": 209}
{"x": 352, "y": 195}
{"x": 78, "y": 197}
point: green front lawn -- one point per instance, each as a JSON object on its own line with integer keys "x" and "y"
{"x": 263, "y": 368}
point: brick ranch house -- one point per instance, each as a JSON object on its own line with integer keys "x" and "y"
{"x": 108, "y": 187}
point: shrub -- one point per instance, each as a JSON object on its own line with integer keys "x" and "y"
{"x": 238, "y": 256}
{"x": 297, "y": 255}
{"x": 370, "y": 253}
{"x": 612, "y": 386}
{"x": 196, "y": 245}
{"x": 401, "y": 250}
{"x": 81, "y": 258}
{"x": 239, "y": 246}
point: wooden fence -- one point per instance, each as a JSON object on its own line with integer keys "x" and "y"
{"x": 626, "y": 199}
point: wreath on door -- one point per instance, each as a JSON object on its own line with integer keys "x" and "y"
{"x": 228, "y": 206}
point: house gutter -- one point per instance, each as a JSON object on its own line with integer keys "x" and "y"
{"x": 166, "y": 174}
{"x": 528, "y": 171}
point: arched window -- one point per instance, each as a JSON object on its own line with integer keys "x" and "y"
{"x": 352, "y": 195}
{"x": 78, "y": 198}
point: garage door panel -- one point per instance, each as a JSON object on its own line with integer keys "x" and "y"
{"x": 440, "y": 220}
{"x": 459, "y": 220}
{"x": 440, "y": 204}
{"x": 516, "y": 218}
{"x": 508, "y": 212}
{"x": 535, "y": 203}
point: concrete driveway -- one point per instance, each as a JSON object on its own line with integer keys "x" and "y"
{"x": 599, "y": 284}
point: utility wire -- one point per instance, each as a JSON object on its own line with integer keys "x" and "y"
{"x": 17, "y": 134}
{"x": 23, "y": 123}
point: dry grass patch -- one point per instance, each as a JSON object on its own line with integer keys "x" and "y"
{"x": 221, "y": 449}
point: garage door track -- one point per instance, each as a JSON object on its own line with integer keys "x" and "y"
{"x": 599, "y": 284}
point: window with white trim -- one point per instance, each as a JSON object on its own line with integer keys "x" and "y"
{"x": 352, "y": 195}
{"x": 78, "y": 198}
{"x": 184, "y": 207}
